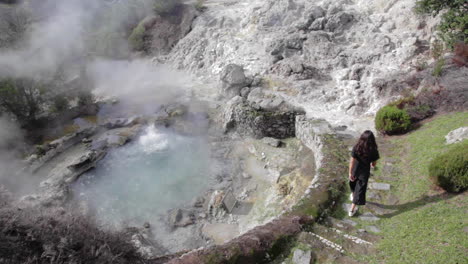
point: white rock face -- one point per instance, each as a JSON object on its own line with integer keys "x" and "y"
{"x": 457, "y": 135}
{"x": 328, "y": 56}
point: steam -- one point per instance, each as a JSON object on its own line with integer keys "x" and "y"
{"x": 11, "y": 138}
{"x": 67, "y": 36}
{"x": 64, "y": 33}
{"x": 138, "y": 82}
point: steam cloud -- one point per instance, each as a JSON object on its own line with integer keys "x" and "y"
{"x": 66, "y": 36}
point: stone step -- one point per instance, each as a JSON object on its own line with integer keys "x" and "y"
{"x": 379, "y": 186}
{"x": 344, "y": 239}
{"x": 368, "y": 216}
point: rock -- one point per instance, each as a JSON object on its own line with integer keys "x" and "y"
{"x": 457, "y": 135}
{"x": 245, "y": 92}
{"x": 301, "y": 257}
{"x": 233, "y": 79}
{"x": 86, "y": 161}
{"x": 164, "y": 32}
{"x": 379, "y": 186}
{"x": 215, "y": 207}
{"x": 373, "y": 229}
{"x": 339, "y": 21}
{"x": 246, "y": 176}
{"x": 258, "y": 122}
{"x": 259, "y": 239}
{"x": 121, "y": 122}
{"x": 350, "y": 222}
{"x": 229, "y": 113}
{"x": 86, "y": 140}
{"x": 271, "y": 141}
{"x": 181, "y": 218}
{"x": 198, "y": 202}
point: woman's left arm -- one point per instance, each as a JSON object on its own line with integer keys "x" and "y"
{"x": 352, "y": 165}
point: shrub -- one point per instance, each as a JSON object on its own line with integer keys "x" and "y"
{"x": 55, "y": 236}
{"x": 200, "y": 5}
{"x": 165, "y": 7}
{"x": 390, "y": 120}
{"x": 85, "y": 98}
{"x": 450, "y": 170}
{"x": 136, "y": 40}
{"x": 21, "y": 97}
{"x": 437, "y": 72}
{"x": 60, "y": 103}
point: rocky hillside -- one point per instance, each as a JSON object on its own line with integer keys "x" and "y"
{"x": 337, "y": 59}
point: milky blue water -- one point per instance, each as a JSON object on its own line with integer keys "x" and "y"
{"x": 135, "y": 183}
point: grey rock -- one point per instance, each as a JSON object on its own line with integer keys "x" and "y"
{"x": 198, "y": 202}
{"x": 121, "y": 122}
{"x": 233, "y": 79}
{"x": 339, "y": 21}
{"x": 166, "y": 31}
{"x": 86, "y": 161}
{"x": 373, "y": 229}
{"x": 301, "y": 257}
{"x": 369, "y": 217}
{"x": 457, "y": 135}
{"x": 181, "y": 218}
{"x": 245, "y": 92}
{"x": 271, "y": 141}
{"x": 349, "y": 222}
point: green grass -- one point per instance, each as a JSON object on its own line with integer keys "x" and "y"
{"x": 421, "y": 146}
{"x": 428, "y": 224}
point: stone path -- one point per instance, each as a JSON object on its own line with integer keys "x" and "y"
{"x": 341, "y": 240}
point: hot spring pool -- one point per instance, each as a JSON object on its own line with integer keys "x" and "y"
{"x": 136, "y": 183}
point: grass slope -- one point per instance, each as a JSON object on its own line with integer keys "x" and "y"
{"x": 428, "y": 225}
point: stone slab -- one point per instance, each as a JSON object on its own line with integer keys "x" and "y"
{"x": 229, "y": 202}
{"x": 379, "y": 186}
{"x": 373, "y": 229}
{"x": 369, "y": 217}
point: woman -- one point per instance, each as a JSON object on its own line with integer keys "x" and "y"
{"x": 364, "y": 155}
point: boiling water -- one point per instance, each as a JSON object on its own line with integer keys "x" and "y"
{"x": 139, "y": 181}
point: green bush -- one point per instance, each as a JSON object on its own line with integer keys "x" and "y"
{"x": 450, "y": 170}
{"x": 438, "y": 67}
{"x": 165, "y": 7}
{"x": 200, "y": 5}
{"x": 390, "y": 120}
{"x": 137, "y": 38}
{"x": 60, "y": 103}
{"x": 454, "y": 24}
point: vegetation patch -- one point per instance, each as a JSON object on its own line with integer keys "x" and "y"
{"x": 450, "y": 170}
{"x": 453, "y": 27}
{"x": 391, "y": 120}
{"x": 33, "y": 236}
{"x": 166, "y": 7}
{"x": 136, "y": 40}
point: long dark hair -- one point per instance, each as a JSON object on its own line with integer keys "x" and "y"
{"x": 366, "y": 144}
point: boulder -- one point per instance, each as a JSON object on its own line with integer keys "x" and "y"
{"x": 271, "y": 141}
{"x": 259, "y": 122}
{"x": 301, "y": 256}
{"x": 121, "y": 122}
{"x": 164, "y": 32}
{"x": 457, "y": 135}
{"x": 233, "y": 80}
{"x": 181, "y": 218}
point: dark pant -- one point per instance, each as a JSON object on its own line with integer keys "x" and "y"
{"x": 359, "y": 188}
